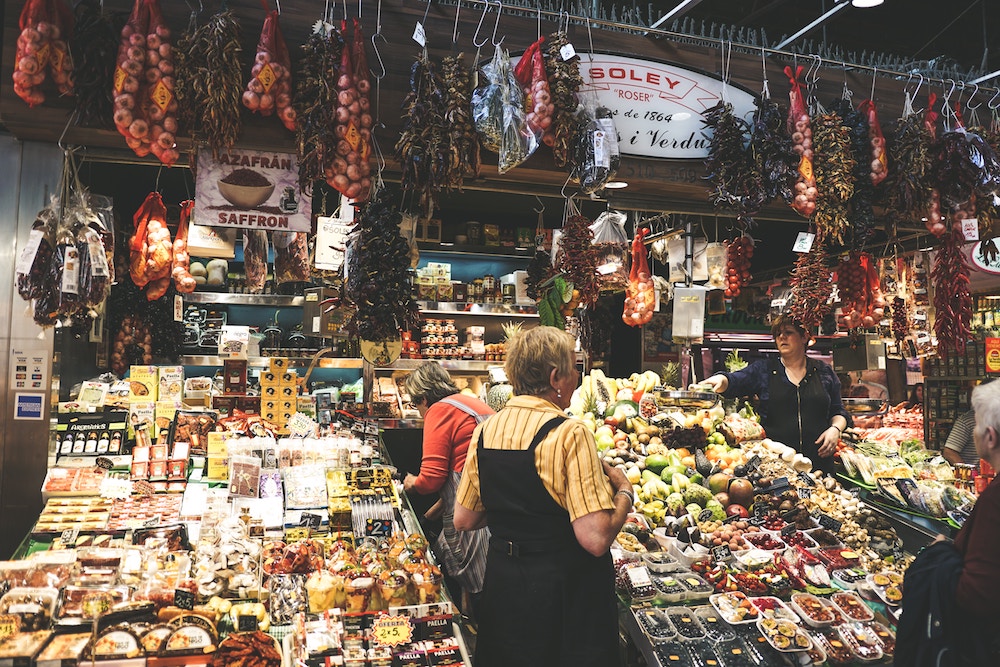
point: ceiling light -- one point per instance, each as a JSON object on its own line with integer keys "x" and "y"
{"x": 864, "y": 4}
{"x": 615, "y": 185}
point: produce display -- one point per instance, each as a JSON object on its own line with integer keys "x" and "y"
{"x": 42, "y": 47}
{"x": 805, "y": 193}
{"x": 269, "y": 90}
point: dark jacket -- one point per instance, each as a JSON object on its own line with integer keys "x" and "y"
{"x": 932, "y": 630}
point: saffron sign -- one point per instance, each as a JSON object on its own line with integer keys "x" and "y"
{"x": 658, "y": 108}
{"x": 251, "y": 190}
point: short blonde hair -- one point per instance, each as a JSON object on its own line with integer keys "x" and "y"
{"x": 531, "y": 356}
{"x": 430, "y": 382}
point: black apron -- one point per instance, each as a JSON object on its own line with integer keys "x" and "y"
{"x": 546, "y": 601}
{"x": 797, "y": 415}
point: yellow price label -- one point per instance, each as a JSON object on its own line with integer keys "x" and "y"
{"x": 58, "y": 56}
{"x": 806, "y": 168}
{"x": 161, "y": 96}
{"x": 10, "y": 624}
{"x": 353, "y": 137}
{"x": 119, "y": 79}
{"x": 392, "y": 630}
{"x": 42, "y": 56}
{"x": 267, "y": 77}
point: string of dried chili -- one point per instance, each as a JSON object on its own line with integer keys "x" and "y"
{"x": 834, "y": 166}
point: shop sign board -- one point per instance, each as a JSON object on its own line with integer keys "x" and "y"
{"x": 251, "y": 190}
{"x": 658, "y": 108}
{"x": 993, "y": 355}
{"x": 989, "y": 261}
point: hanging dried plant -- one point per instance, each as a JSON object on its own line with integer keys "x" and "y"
{"x": 730, "y": 171}
{"x": 811, "y": 288}
{"x": 862, "y": 214}
{"x": 770, "y": 151}
{"x": 834, "y": 167}
{"x": 564, "y": 83}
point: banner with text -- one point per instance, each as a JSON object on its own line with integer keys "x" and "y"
{"x": 252, "y": 190}
{"x": 658, "y": 108}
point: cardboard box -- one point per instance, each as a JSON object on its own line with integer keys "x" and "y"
{"x": 171, "y": 383}
{"x": 224, "y": 404}
{"x": 234, "y": 376}
{"x": 164, "y": 415}
{"x": 249, "y": 404}
{"x": 143, "y": 412}
{"x": 218, "y": 444}
{"x": 218, "y": 468}
{"x": 143, "y": 383}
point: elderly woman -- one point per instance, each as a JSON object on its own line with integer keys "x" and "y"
{"x": 534, "y": 475}
{"x": 449, "y": 420}
{"x": 801, "y": 403}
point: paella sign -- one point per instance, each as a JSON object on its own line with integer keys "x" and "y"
{"x": 658, "y": 108}
{"x": 251, "y": 190}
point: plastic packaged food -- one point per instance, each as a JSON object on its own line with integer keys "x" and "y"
{"x": 703, "y": 654}
{"x": 358, "y": 594}
{"x": 784, "y": 636}
{"x": 153, "y": 638}
{"x": 13, "y": 574}
{"x": 838, "y": 616}
{"x": 98, "y": 565}
{"x": 812, "y": 610}
{"x": 322, "y": 588}
{"x": 695, "y": 588}
{"x": 668, "y": 588}
{"x": 716, "y": 628}
{"x": 78, "y": 603}
{"x": 735, "y": 607}
{"x": 888, "y": 586}
{"x": 852, "y": 606}
{"x": 64, "y": 649}
{"x": 392, "y": 588}
{"x": 862, "y": 640}
{"x": 673, "y": 654}
{"x": 51, "y": 569}
{"x": 34, "y": 606}
{"x": 838, "y": 558}
{"x": 837, "y": 651}
{"x": 800, "y": 538}
{"x": 654, "y": 624}
{"x": 24, "y": 645}
{"x": 849, "y": 578}
{"x": 287, "y": 597}
{"x": 687, "y": 624}
{"x": 764, "y": 540}
{"x": 660, "y": 561}
{"x": 753, "y": 559}
{"x": 291, "y": 257}
{"x": 640, "y": 584}
{"x": 734, "y": 653}
{"x": 772, "y": 607}
{"x": 305, "y": 487}
{"x": 886, "y": 638}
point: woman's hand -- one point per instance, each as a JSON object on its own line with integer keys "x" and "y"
{"x": 719, "y": 383}
{"x": 827, "y": 442}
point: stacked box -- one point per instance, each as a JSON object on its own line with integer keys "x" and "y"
{"x": 279, "y": 393}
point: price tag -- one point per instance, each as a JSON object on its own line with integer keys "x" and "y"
{"x": 779, "y": 485}
{"x": 788, "y": 529}
{"x": 567, "y": 52}
{"x": 184, "y": 599}
{"x": 722, "y": 553}
{"x": 68, "y": 536}
{"x": 151, "y": 522}
{"x": 970, "y": 229}
{"x": 752, "y": 464}
{"x": 418, "y": 34}
{"x": 639, "y": 577}
{"x": 760, "y": 509}
{"x": 378, "y": 527}
{"x": 392, "y": 630}
{"x": 178, "y": 308}
{"x": 104, "y": 463}
{"x": 805, "y": 492}
{"x": 757, "y": 520}
{"x": 301, "y": 426}
{"x": 803, "y": 242}
{"x": 897, "y": 552}
{"x": 10, "y": 624}
{"x": 828, "y": 522}
{"x": 310, "y": 520}
{"x": 246, "y": 623}
{"x": 705, "y": 515}
{"x": 778, "y": 303}
{"x": 806, "y": 479}
{"x": 731, "y": 519}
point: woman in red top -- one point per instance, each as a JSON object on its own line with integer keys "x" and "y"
{"x": 449, "y": 419}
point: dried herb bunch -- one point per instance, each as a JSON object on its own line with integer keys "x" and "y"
{"x": 811, "y": 287}
{"x": 577, "y": 257}
{"x": 95, "y": 45}
{"x": 952, "y": 298}
{"x": 770, "y": 150}
{"x": 315, "y": 102}
{"x": 564, "y": 84}
{"x": 908, "y": 189}
{"x": 423, "y": 151}
{"x": 462, "y": 135}
{"x": 862, "y": 214}
{"x": 834, "y": 166}
{"x": 209, "y": 81}
{"x": 964, "y": 165}
{"x": 987, "y": 211}
{"x": 730, "y": 172}
{"x": 539, "y": 270}
{"x": 378, "y": 281}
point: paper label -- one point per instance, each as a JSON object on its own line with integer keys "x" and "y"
{"x": 353, "y": 137}
{"x": 98, "y": 258}
{"x": 120, "y": 77}
{"x": 639, "y": 577}
{"x": 970, "y": 229}
{"x": 161, "y": 96}
{"x": 601, "y": 156}
{"x": 806, "y": 168}
{"x": 267, "y": 77}
{"x": 9, "y": 625}
{"x": 27, "y": 256}
{"x": 392, "y": 630}
{"x": 301, "y": 426}
{"x": 178, "y": 308}
{"x": 71, "y": 271}
{"x": 567, "y": 52}
{"x": 68, "y": 536}
{"x": 419, "y": 36}
{"x": 803, "y": 242}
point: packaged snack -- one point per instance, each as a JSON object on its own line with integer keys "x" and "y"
{"x": 654, "y": 624}
{"x": 287, "y": 598}
{"x": 305, "y": 486}
{"x": 812, "y": 610}
{"x": 735, "y": 607}
{"x": 34, "y": 606}
{"x": 852, "y": 606}
{"x": 715, "y": 626}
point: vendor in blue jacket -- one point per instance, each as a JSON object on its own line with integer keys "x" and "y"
{"x": 800, "y": 403}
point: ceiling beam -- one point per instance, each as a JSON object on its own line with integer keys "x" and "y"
{"x": 841, "y": 4}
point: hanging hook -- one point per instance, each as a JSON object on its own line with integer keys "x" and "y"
{"x": 538, "y": 30}
{"x": 497, "y": 25}
{"x": 454, "y": 28}
{"x": 972, "y": 97}
{"x": 479, "y": 26}
{"x": 378, "y": 56}
{"x": 540, "y": 203}
{"x": 874, "y": 78}
{"x": 919, "y": 84}
{"x": 990, "y": 103}
{"x": 423, "y": 21}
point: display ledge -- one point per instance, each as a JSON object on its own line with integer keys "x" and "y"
{"x": 263, "y": 362}
{"x": 486, "y": 251}
{"x": 231, "y": 299}
{"x": 489, "y": 309}
{"x": 447, "y": 364}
